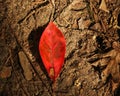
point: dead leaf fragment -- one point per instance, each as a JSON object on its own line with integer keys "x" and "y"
{"x": 52, "y": 72}
{"x": 78, "y": 5}
{"x": 111, "y": 61}
{"x": 83, "y": 24}
{"x": 103, "y": 6}
{"x": 25, "y": 65}
{"x": 5, "y": 72}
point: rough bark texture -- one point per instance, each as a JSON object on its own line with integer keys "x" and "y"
{"x": 92, "y": 33}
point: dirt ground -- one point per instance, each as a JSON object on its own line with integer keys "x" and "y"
{"x": 92, "y": 59}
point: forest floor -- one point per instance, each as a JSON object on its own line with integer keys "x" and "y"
{"x": 92, "y": 60}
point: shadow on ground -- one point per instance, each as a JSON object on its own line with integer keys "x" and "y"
{"x": 33, "y": 39}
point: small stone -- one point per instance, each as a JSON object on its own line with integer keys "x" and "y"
{"x": 25, "y": 65}
{"x": 5, "y": 72}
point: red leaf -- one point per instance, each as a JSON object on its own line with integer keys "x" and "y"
{"x": 52, "y": 50}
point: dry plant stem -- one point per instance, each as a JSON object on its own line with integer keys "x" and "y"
{"x": 6, "y": 61}
{"x": 53, "y": 12}
{"x": 53, "y": 88}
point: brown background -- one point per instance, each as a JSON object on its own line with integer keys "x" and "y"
{"x": 90, "y": 28}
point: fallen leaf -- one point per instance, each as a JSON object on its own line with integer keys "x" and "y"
{"x": 103, "y": 6}
{"x": 111, "y": 61}
{"x": 52, "y": 50}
